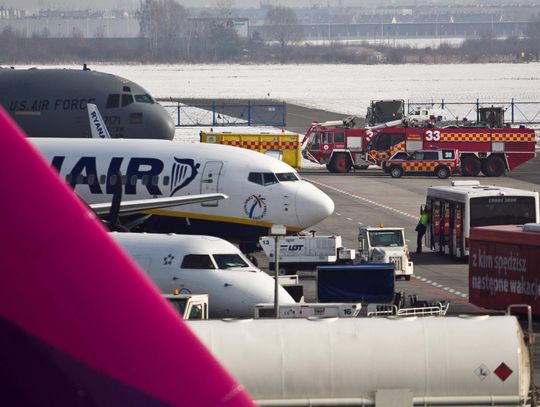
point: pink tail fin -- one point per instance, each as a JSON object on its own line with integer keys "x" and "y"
{"x": 79, "y": 322}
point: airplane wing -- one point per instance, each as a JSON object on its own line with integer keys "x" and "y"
{"x": 80, "y": 323}
{"x": 97, "y": 124}
{"x": 137, "y": 206}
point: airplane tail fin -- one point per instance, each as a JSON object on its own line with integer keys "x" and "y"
{"x": 80, "y": 324}
{"x": 97, "y": 124}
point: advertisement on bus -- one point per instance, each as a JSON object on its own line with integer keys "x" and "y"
{"x": 503, "y": 267}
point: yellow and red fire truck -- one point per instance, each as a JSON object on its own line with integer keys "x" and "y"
{"x": 490, "y": 150}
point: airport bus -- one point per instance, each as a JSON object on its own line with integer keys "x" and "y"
{"x": 455, "y": 209}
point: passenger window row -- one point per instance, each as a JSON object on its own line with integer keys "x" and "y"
{"x": 91, "y": 179}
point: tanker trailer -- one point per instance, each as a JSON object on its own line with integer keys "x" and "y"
{"x": 442, "y": 361}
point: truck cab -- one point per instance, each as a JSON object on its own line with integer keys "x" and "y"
{"x": 189, "y": 306}
{"x": 385, "y": 245}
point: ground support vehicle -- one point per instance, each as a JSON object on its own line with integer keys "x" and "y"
{"x": 454, "y": 210}
{"x": 382, "y": 111}
{"x": 306, "y": 310}
{"x": 490, "y": 150}
{"x": 450, "y": 361}
{"x": 385, "y": 245}
{"x": 189, "y": 306}
{"x": 283, "y": 146}
{"x": 503, "y": 266}
{"x": 441, "y": 163}
{"x": 306, "y": 252}
{"x": 362, "y": 282}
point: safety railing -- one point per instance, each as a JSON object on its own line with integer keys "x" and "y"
{"x": 515, "y": 112}
{"x": 223, "y": 113}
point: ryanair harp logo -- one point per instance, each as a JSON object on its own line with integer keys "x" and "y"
{"x": 184, "y": 171}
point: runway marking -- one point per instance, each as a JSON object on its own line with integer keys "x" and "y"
{"x": 349, "y": 219}
{"x": 361, "y": 198}
{"x": 435, "y": 284}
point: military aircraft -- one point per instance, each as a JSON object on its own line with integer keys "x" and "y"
{"x": 53, "y": 103}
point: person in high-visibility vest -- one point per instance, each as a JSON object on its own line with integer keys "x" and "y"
{"x": 421, "y": 228}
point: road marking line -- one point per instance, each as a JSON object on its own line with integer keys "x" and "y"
{"x": 435, "y": 284}
{"x": 380, "y": 205}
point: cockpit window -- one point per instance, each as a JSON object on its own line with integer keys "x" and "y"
{"x": 126, "y": 99}
{"x": 287, "y": 176}
{"x": 269, "y": 178}
{"x": 113, "y": 101}
{"x": 228, "y": 261}
{"x": 146, "y": 98}
{"x": 262, "y": 178}
{"x": 255, "y": 177}
{"x": 197, "y": 261}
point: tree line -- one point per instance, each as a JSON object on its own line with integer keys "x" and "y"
{"x": 168, "y": 34}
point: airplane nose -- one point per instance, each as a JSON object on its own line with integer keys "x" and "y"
{"x": 163, "y": 126}
{"x": 312, "y": 205}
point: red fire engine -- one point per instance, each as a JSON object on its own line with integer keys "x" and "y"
{"x": 490, "y": 150}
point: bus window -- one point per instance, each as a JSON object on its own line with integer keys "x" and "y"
{"x": 502, "y": 210}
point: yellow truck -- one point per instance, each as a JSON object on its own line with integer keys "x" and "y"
{"x": 285, "y": 146}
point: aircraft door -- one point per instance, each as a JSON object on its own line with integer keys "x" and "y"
{"x": 210, "y": 180}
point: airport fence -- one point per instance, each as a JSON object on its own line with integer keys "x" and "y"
{"x": 515, "y": 112}
{"x": 226, "y": 113}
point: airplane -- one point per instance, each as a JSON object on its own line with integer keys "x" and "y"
{"x": 53, "y": 103}
{"x": 80, "y": 323}
{"x": 203, "y": 265}
{"x": 262, "y": 190}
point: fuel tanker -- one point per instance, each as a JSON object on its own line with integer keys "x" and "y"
{"x": 443, "y": 361}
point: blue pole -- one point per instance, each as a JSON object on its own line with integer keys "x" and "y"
{"x": 249, "y": 112}
{"x": 477, "y": 110}
{"x": 512, "y": 110}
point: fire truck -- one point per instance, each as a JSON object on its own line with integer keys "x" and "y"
{"x": 343, "y": 147}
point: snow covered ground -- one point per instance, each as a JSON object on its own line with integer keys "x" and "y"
{"x": 345, "y": 89}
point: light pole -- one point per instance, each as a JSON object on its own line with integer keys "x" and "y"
{"x": 277, "y": 231}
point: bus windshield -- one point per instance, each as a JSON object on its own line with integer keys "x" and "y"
{"x": 386, "y": 238}
{"x": 502, "y": 210}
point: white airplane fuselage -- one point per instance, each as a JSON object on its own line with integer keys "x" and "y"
{"x": 209, "y": 265}
{"x": 262, "y": 190}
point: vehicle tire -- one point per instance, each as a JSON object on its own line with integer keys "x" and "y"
{"x": 407, "y": 278}
{"x": 396, "y": 172}
{"x": 340, "y": 163}
{"x": 470, "y": 166}
{"x": 330, "y": 168}
{"x": 493, "y": 166}
{"x": 442, "y": 172}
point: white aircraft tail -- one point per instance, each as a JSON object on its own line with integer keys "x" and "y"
{"x": 97, "y": 124}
